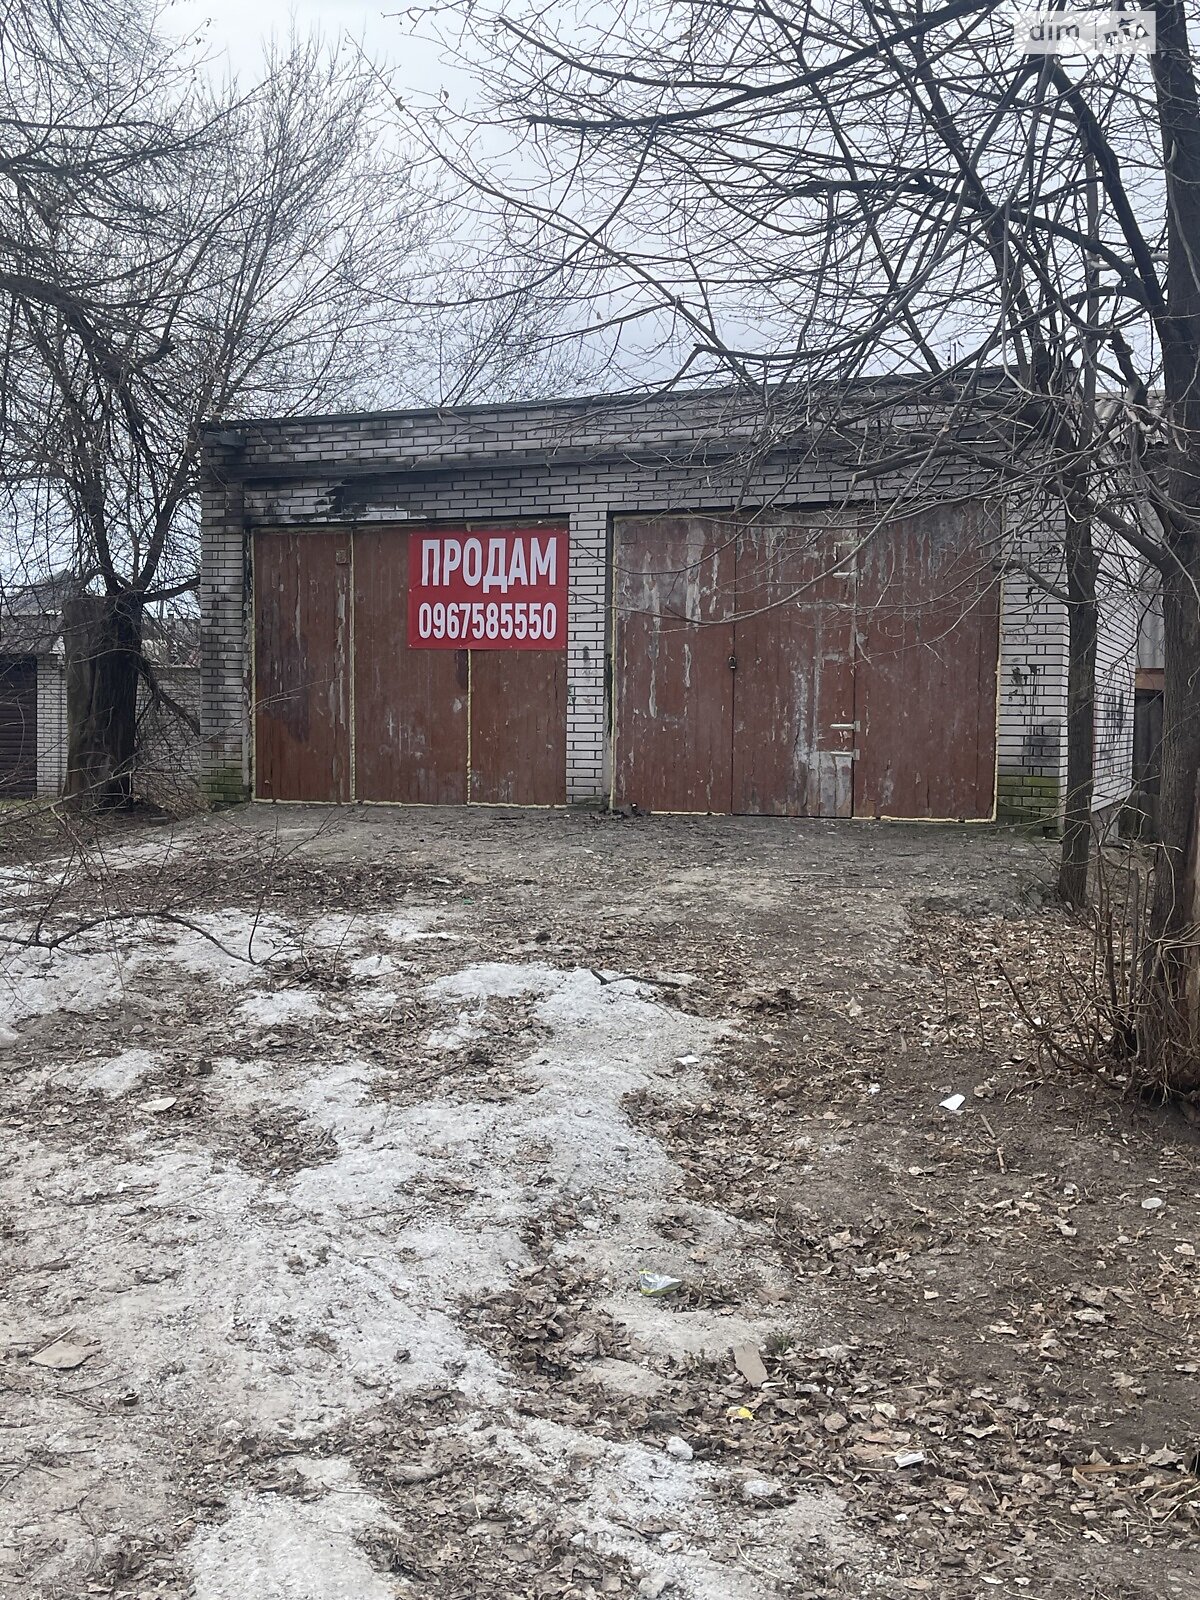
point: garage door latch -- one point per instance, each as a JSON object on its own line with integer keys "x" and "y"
{"x": 733, "y": 663}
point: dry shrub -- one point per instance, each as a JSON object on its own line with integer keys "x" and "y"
{"x": 1131, "y": 1011}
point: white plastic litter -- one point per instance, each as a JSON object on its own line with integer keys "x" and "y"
{"x": 658, "y": 1283}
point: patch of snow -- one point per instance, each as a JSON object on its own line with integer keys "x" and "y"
{"x": 292, "y": 1304}
{"x": 619, "y": 1484}
{"x": 276, "y": 1548}
{"x": 409, "y": 927}
{"x": 92, "y": 972}
{"x": 268, "y": 1009}
{"x": 342, "y": 932}
{"x": 454, "y": 1038}
{"x": 228, "y": 947}
{"x": 120, "y": 1073}
{"x": 686, "y": 1333}
{"x": 496, "y": 980}
{"x": 376, "y": 965}
{"x": 37, "y": 983}
{"x": 377, "y": 1000}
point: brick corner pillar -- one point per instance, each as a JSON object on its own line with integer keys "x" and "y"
{"x": 1032, "y": 754}
{"x": 225, "y": 710}
{"x": 586, "y": 644}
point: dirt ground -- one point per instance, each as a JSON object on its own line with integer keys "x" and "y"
{"x": 337, "y": 1144}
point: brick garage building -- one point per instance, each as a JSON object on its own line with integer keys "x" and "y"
{"x": 744, "y": 630}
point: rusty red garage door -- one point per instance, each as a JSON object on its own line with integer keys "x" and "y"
{"x": 452, "y": 692}
{"x": 806, "y": 664}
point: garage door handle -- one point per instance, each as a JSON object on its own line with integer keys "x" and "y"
{"x": 733, "y": 663}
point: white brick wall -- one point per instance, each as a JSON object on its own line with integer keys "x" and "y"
{"x": 168, "y": 760}
{"x": 225, "y": 659}
{"x": 51, "y": 726}
{"x": 1116, "y": 667}
{"x": 1032, "y": 746}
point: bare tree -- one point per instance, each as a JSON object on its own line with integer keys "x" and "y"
{"x": 486, "y": 333}
{"x": 794, "y": 195}
{"x": 170, "y": 255}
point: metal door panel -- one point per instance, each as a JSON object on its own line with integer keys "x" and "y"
{"x": 927, "y": 649}
{"x": 793, "y": 697}
{"x": 410, "y": 706}
{"x": 301, "y": 666}
{"x": 519, "y": 727}
{"x": 674, "y": 588}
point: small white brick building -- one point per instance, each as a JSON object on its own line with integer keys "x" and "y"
{"x": 306, "y": 623}
{"x": 33, "y": 701}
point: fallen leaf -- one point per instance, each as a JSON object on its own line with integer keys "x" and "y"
{"x": 750, "y": 1364}
{"x": 65, "y": 1354}
{"x": 415, "y": 1471}
{"x": 1097, "y": 1469}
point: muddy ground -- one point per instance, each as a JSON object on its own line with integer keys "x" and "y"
{"x": 326, "y": 1189}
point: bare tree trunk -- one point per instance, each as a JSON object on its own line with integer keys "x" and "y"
{"x": 1169, "y": 1040}
{"x": 103, "y": 641}
{"x": 1083, "y": 612}
{"x": 1169, "y": 1030}
{"x": 1083, "y": 624}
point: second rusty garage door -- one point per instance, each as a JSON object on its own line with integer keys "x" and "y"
{"x": 805, "y": 664}
{"x": 346, "y": 708}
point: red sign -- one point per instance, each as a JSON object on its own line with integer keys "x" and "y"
{"x": 503, "y": 590}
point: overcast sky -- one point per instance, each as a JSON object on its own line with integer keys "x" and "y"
{"x": 233, "y": 30}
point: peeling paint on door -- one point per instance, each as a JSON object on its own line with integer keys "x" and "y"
{"x": 806, "y": 664}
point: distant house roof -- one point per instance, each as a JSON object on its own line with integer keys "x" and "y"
{"x": 45, "y": 597}
{"x": 31, "y": 623}
{"x": 31, "y": 615}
